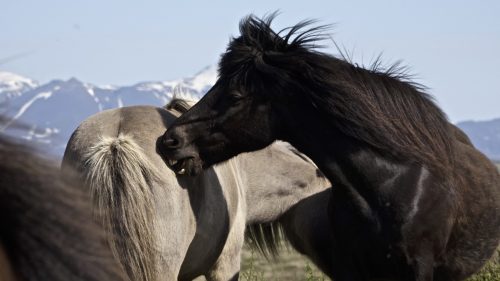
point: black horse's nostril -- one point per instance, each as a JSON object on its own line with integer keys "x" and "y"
{"x": 171, "y": 142}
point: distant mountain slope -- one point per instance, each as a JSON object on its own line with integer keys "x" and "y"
{"x": 53, "y": 110}
{"x": 485, "y": 135}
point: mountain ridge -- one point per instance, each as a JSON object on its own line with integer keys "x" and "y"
{"x": 54, "y": 109}
{"x": 485, "y": 135}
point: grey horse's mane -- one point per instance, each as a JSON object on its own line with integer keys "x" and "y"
{"x": 180, "y": 105}
{"x": 266, "y": 238}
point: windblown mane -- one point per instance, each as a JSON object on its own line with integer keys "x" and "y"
{"x": 380, "y": 108}
{"x": 47, "y": 228}
{"x": 179, "y": 104}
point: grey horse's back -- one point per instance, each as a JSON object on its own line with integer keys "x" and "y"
{"x": 111, "y": 123}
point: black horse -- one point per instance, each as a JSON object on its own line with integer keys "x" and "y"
{"x": 413, "y": 199}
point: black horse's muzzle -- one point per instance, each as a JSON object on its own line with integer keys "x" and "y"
{"x": 181, "y": 156}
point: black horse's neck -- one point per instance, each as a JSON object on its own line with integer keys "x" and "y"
{"x": 370, "y": 185}
{"x": 344, "y": 160}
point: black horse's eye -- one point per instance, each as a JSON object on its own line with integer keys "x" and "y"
{"x": 236, "y": 95}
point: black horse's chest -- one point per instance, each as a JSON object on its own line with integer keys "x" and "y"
{"x": 378, "y": 209}
{"x": 368, "y": 232}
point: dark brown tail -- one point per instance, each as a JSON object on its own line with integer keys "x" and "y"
{"x": 46, "y": 225}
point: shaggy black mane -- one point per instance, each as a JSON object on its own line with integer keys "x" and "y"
{"x": 380, "y": 107}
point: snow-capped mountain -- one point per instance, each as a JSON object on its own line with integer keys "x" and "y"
{"x": 12, "y": 85}
{"x": 53, "y": 110}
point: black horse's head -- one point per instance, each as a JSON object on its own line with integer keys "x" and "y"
{"x": 244, "y": 110}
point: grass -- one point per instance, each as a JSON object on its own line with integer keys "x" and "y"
{"x": 491, "y": 272}
{"x": 250, "y": 273}
{"x": 295, "y": 267}
{"x": 290, "y": 265}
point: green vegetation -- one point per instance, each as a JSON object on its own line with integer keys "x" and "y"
{"x": 290, "y": 265}
{"x": 311, "y": 275}
{"x": 294, "y": 267}
{"x": 491, "y": 272}
{"x": 250, "y": 273}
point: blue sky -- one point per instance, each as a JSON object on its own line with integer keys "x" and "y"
{"x": 452, "y": 46}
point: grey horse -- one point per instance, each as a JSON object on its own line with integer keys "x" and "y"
{"x": 163, "y": 226}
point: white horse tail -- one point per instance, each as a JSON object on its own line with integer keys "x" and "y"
{"x": 120, "y": 178}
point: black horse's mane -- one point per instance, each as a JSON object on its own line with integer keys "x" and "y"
{"x": 380, "y": 107}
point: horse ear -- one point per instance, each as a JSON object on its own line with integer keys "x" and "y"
{"x": 269, "y": 62}
{"x": 263, "y": 64}
{"x": 272, "y": 75}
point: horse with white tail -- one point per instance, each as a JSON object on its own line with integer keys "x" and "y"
{"x": 163, "y": 226}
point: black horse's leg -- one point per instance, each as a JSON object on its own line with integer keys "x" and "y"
{"x": 427, "y": 234}
{"x": 423, "y": 264}
{"x": 347, "y": 243}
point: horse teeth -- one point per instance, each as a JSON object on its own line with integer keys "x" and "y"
{"x": 182, "y": 171}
